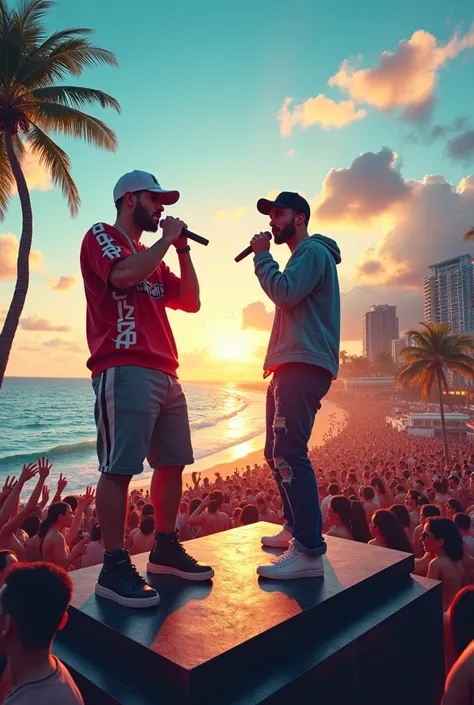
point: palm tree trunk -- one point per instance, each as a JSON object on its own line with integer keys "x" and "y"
{"x": 443, "y": 420}
{"x": 22, "y": 272}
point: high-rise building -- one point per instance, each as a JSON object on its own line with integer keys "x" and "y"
{"x": 379, "y": 328}
{"x": 405, "y": 341}
{"x": 449, "y": 294}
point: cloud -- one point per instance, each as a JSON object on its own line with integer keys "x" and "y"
{"x": 461, "y": 148}
{"x": 9, "y": 254}
{"x": 429, "y": 228}
{"x": 30, "y": 348}
{"x": 64, "y": 345}
{"x": 320, "y": 111}
{"x": 429, "y": 134}
{"x": 369, "y": 188}
{"x": 41, "y": 324}
{"x": 36, "y": 175}
{"x": 64, "y": 283}
{"x": 404, "y": 79}
{"x": 236, "y": 213}
{"x": 257, "y": 317}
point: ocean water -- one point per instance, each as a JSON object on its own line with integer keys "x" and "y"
{"x": 54, "y": 417}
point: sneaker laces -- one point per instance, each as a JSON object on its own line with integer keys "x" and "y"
{"x": 289, "y": 556}
{"x": 129, "y": 573}
{"x": 179, "y": 546}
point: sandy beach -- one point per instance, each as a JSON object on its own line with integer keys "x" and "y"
{"x": 251, "y": 452}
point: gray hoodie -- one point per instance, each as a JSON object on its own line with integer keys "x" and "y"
{"x": 307, "y": 320}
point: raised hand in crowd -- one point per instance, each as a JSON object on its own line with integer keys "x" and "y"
{"x": 62, "y": 484}
{"x": 10, "y": 525}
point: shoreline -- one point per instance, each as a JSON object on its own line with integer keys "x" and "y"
{"x": 255, "y": 455}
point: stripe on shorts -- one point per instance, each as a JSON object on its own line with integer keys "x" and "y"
{"x": 106, "y": 413}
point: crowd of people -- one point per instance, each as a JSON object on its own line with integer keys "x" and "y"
{"x": 376, "y": 486}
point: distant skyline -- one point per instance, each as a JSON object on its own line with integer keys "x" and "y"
{"x": 367, "y": 110}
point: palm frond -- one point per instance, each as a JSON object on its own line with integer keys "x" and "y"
{"x": 28, "y": 19}
{"x": 463, "y": 369}
{"x": 3, "y": 10}
{"x": 454, "y": 356}
{"x": 73, "y": 96}
{"x": 412, "y": 373}
{"x": 36, "y": 56}
{"x": 420, "y": 375}
{"x": 412, "y": 353}
{"x": 430, "y": 381}
{"x": 58, "y": 164}
{"x": 7, "y": 180}
{"x": 461, "y": 342}
{"x": 69, "y": 57}
{"x": 74, "y": 123}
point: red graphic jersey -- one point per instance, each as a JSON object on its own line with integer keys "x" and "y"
{"x": 126, "y": 327}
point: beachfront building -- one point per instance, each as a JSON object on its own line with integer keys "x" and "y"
{"x": 429, "y": 424}
{"x": 449, "y": 298}
{"x": 379, "y": 328}
{"x": 406, "y": 341}
{"x": 375, "y": 387}
{"x": 449, "y": 294}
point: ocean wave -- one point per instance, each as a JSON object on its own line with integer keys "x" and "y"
{"x": 66, "y": 449}
{"x": 213, "y": 421}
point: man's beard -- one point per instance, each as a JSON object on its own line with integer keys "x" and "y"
{"x": 143, "y": 219}
{"x": 285, "y": 233}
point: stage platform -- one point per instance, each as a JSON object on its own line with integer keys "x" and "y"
{"x": 242, "y": 640}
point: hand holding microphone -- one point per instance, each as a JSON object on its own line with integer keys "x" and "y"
{"x": 174, "y": 228}
{"x": 259, "y": 243}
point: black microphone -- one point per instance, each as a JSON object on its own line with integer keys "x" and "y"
{"x": 192, "y": 236}
{"x": 248, "y": 250}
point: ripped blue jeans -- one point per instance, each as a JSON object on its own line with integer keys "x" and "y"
{"x": 293, "y": 398}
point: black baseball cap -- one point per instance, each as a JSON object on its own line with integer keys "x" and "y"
{"x": 286, "y": 199}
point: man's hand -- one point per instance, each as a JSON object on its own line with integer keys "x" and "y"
{"x": 260, "y": 243}
{"x": 28, "y": 472}
{"x": 44, "y": 467}
{"x": 172, "y": 228}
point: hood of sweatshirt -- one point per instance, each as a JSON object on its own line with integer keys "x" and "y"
{"x": 330, "y": 244}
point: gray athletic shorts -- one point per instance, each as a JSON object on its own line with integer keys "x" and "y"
{"x": 140, "y": 413}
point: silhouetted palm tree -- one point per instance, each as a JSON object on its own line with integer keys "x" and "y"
{"x": 32, "y": 106}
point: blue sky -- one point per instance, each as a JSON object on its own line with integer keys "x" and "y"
{"x": 200, "y": 85}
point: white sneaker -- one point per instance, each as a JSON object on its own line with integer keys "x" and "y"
{"x": 280, "y": 540}
{"x": 293, "y": 564}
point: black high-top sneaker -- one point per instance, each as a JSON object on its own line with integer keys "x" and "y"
{"x": 120, "y": 581}
{"x": 169, "y": 557}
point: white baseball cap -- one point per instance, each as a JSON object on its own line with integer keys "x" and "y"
{"x": 142, "y": 181}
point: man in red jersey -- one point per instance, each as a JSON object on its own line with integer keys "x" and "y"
{"x": 140, "y": 408}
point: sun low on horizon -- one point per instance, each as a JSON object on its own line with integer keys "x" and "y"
{"x": 365, "y": 110}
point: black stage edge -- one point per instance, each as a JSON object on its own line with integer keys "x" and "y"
{"x": 239, "y": 640}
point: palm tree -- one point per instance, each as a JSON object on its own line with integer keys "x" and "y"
{"x": 32, "y": 106}
{"x": 435, "y": 351}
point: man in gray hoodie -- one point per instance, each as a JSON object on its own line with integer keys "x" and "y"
{"x": 303, "y": 355}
